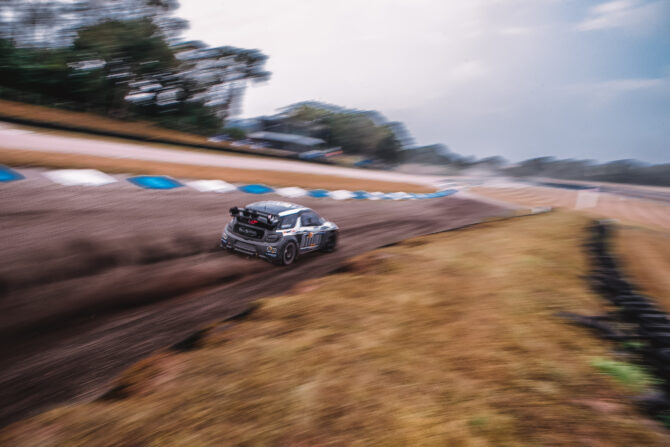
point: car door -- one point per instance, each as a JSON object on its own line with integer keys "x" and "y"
{"x": 310, "y": 226}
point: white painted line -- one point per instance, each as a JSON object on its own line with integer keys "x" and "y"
{"x": 341, "y": 194}
{"x": 79, "y": 177}
{"x": 211, "y": 186}
{"x": 292, "y": 191}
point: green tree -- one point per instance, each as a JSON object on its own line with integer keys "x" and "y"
{"x": 235, "y": 133}
{"x": 218, "y": 76}
{"x": 354, "y": 131}
{"x": 122, "y": 58}
{"x": 389, "y": 148}
{"x": 130, "y": 51}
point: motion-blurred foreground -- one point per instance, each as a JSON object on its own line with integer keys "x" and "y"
{"x": 375, "y": 354}
{"x": 95, "y": 278}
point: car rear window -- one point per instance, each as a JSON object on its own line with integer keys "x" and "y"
{"x": 310, "y": 218}
{"x": 288, "y": 222}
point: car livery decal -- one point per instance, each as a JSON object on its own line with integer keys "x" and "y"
{"x": 310, "y": 240}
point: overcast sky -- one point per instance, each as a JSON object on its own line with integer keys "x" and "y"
{"x": 517, "y": 78}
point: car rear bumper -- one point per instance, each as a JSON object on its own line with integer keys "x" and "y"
{"x": 231, "y": 241}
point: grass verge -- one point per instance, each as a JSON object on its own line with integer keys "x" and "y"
{"x": 31, "y": 114}
{"x": 448, "y": 339}
{"x": 26, "y": 158}
{"x": 635, "y": 377}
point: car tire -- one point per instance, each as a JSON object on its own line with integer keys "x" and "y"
{"x": 331, "y": 244}
{"x": 288, "y": 253}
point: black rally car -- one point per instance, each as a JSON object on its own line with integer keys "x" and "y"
{"x": 278, "y": 231}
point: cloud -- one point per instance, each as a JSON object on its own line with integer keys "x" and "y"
{"x": 635, "y": 15}
{"x": 621, "y": 85}
{"x": 485, "y": 77}
{"x": 602, "y": 93}
{"x": 517, "y": 31}
{"x": 468, "y": 71}
{"x": 627, "y": 85}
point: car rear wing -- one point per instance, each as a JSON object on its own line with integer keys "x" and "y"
{"x": 268, "y": 219}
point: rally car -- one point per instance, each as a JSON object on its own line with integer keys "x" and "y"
{"x": 278, "y": 231}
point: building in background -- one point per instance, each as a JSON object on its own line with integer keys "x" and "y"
{"x": 286, "y": 141}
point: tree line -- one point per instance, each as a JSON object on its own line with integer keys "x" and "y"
{"x": 123, "y": 59}
{"x": 619, "y": 171}
{"x": 364, "y": 133}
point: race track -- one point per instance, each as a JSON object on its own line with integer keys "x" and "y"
{"x": 94, "y": 279}
{"x": 63, "y": 142}
{"x": 637, "y": 205}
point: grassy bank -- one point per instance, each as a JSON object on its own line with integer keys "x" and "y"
{"x": 25, "y": 158}
{"x": 30, "y": 114}
{"x": 448, "y": 339}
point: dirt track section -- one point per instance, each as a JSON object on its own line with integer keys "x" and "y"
{"x": 93, "y": 279}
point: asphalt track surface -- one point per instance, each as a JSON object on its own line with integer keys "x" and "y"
{"x": 94, "y": 279}
{"x": 646, "y": 206}
{"x": 49, "y": 142}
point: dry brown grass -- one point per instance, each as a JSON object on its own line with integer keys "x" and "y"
{"x": 447, "y": 339}
{"x": 121, "y": 140}
{"x": 646, "y": 258}
{"x": 80, "y": 121}
{"x": 25, "y": 158}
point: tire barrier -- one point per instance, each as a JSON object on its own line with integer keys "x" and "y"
{"x": 155, "y": 182}
{"x": 318, "y": 193}
{"x": 211, "y": 186}
{"x": 9, "y": 175}
{"x": 256, "y": 189}
{"x": 79, "y": 177}
{"x": 93, "y": 177}
{"x": 636, "y": 318}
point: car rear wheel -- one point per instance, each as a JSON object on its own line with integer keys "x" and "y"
{"x": 288, "y": 253}
{"x": 331, "y": 244}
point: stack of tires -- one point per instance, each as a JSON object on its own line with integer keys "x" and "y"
{"x": 637, "y": 314}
